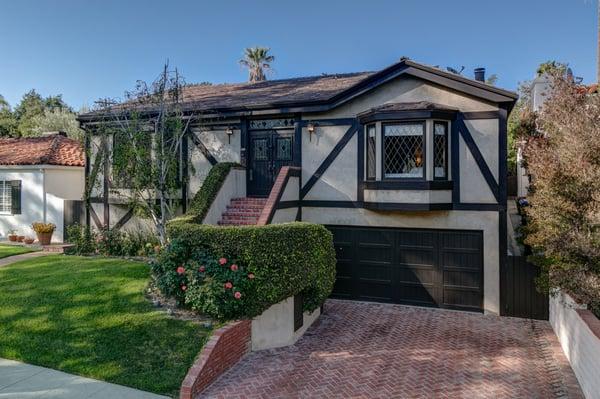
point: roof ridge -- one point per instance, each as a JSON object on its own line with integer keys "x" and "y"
{"x": 296, "y": 78}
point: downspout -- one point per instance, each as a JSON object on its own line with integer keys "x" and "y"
{"x": 44, "y": 194}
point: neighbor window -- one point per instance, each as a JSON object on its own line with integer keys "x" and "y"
{"x": 403, "y": 150}
{"x": 5, "y": 197}
{"x": 371, "y": 153}
{"x": 440, "y": 150}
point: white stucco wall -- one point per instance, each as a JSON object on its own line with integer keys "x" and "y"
{"x": 409, "y": 196}
{"x": 580, "y": 345}
{"x": 234, "y": 186}
{"x": 43, "y": 192}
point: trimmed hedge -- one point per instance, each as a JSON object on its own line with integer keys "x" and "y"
{"x": 285, "y": 260}
{"x": 204, "y": 198}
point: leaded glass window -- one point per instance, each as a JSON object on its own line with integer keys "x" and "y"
{"x": 440, "y": 150}
{"x": 371, "y": 153}
{"x": 284, "y": 149}
{"x": 261, "y": 150}
{"x": 5, "y": 197}
{"x": 403, "y": 149}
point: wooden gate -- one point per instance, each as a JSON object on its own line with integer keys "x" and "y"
{"x": 73, "y": 212}
{"x": 519, "y": 296}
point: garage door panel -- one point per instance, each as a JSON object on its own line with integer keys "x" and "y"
{"x": 420, "y": 267}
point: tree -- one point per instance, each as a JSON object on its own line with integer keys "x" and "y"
{"x": 147, "y": 130}
{"x": 258, "y": 61}
{"x": 564, "y": 214}
{"x": 53, "y": 120}
{"x": 8, "y": 122}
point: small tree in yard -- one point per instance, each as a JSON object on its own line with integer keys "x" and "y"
{"x": 147, "y": 130}
{"x": 563, "y": 157}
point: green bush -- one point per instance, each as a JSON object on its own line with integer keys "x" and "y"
{"x": 111, "y": 242}
{"x": 283, "y": 259}
{"x": 204, "y": 198}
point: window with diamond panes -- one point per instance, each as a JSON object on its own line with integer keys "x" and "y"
{"x": 284, "y": 149}
{"x": 403, "y": 150}
{"x": 371, "y": 153}
{"x": 5, "y": 197}
{"x": 261, "y": 149}
{"x": 440, "y": 150}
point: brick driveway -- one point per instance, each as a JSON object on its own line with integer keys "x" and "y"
{"x": 368, "y": 350}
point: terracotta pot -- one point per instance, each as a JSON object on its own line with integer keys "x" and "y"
{"x": 28, "y": 240}
{"x": 44, "y": 238}
{"x": 20, "y": 238}
{"x": 12, "y": 237}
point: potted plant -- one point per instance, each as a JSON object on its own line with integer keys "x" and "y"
{"x": 28, "y": 240}
{"x": 20, "y": 238}
{"x": 12, "y": 235}
{"x": 44, "y": 232}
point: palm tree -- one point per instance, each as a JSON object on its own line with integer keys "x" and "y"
{"x": 258, "y": 61}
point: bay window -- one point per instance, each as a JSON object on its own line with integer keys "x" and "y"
{"x": 440, "y": 150}
{"x": 404, "y": 150}
{"x": 371, "y": 153}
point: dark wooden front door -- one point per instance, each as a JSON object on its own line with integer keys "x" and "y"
{"x": 269, "y": 151}
{"x": 438, "y": 268}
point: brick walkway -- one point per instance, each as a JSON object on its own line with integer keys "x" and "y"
{"x": 367, "y": 350}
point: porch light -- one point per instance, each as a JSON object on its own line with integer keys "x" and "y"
{"x": 229, "y": 132}
{"x": 311, "y": 129}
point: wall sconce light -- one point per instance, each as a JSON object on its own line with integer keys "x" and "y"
{"x": 229, "y": 132}
{"x": 311, "y": 127}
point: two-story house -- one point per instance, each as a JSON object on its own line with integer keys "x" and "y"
{"x": 406, "y": 166}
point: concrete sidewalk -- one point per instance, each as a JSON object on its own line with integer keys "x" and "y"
{"x": 16, "y": 258}
{"x": 24, "y": 381}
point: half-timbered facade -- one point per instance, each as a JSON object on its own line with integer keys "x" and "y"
{"x": 406, "y": 166}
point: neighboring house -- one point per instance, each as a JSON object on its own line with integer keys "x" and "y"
{"x": 37, "y": 176}
{"x": 406, "y": 166}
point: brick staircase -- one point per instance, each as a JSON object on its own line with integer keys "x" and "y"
{"x": 243, "y": 211}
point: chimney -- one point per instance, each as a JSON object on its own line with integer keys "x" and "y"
{"x": 479, "y": 74}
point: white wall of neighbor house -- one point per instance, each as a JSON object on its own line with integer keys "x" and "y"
{"x": 43, "y": 192}
{"x": 455, "y": 220}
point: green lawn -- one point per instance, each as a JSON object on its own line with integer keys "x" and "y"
{"x": 88, "y": 316}
{"x": 10, "y": 250}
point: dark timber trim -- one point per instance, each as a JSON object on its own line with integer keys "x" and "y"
{"x": 126, "y": 218}
{"x": 198, "y": 143}
{"x": 502, "y": 177}
{"x": 481, "y": 115}
{"x": 95, "y": 217}
{"x": 288, "y": 204}
{"x": 329, "y": 160}
{"x": 297, "y": 142}
{"x": 184, "y": 174}
{"x": 243, "y": 142}
{"x": 479, "y": 159}
{"x": 408, "y": 185}
{"x": 360, "y": 170}
{"x": 455, "y": 159}
{"x": 87, "y": 176}
{"x": 106, "y": 186}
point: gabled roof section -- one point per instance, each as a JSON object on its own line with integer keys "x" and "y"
{"x": 324, "y": 92}
{"x": 54, "y": 149}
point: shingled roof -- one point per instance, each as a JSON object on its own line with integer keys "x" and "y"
{"x": 53, "y": 149}
{"x": 318, "y": 92}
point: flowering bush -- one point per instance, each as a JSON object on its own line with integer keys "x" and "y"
{"x": 218, "y": 287}
{"x": 42, "y": 228}
{"x": 233, "y": 272}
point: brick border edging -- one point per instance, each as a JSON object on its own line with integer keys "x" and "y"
{"x": 225, "y": 348}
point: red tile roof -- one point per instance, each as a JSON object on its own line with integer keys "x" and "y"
{"x": 55, "y": 149}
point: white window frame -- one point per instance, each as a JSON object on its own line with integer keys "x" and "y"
{"x": 6, "y": 189}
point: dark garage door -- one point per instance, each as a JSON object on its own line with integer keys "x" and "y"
{"x": 419, "y": 267}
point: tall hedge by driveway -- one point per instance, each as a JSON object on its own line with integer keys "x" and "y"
{"x": 284, "y": 259}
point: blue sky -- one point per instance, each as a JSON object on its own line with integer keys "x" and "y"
{"x": 91, "y": 49}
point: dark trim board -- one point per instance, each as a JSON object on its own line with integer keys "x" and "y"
{"x": 198, "y": 143}
{"x": 95, "y": 217}
{"x": 481, "y": 115}
{"x": 408, "y": 185}
{"x": 123, "y": 221}
{"x": 408, "y": 115}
